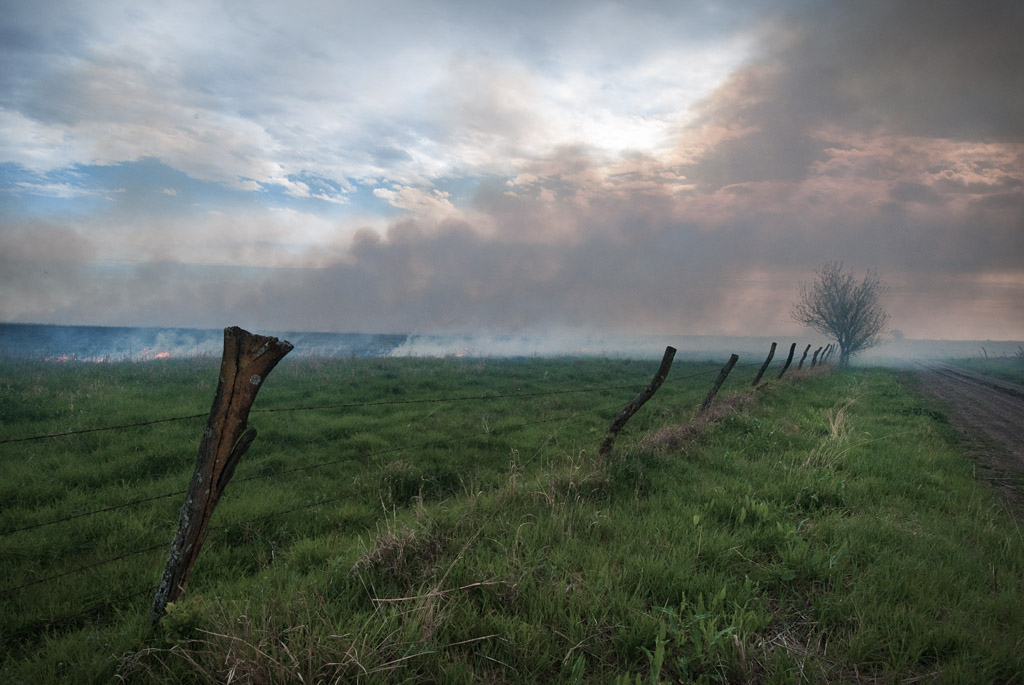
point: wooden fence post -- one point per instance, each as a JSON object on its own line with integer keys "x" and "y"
{"x": 760, "y": 372}
{"x": 247, "y": 361}
{"x": 814, "y": 359}
{"x": 633, "y": 407}
{"x": 789, "y": 360}
{"x": 718, "y": 381}
{"x": 801, "y": 364}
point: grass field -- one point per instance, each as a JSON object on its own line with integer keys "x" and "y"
{"x": 1010, "y": 368}
{"x": 448, "y": 520}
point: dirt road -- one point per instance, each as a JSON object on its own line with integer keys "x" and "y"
{"x": 989, "y": 413}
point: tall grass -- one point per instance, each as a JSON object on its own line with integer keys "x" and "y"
{"x": 821, "y": 530}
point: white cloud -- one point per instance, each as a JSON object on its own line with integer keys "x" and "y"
{"x": 37, "y": 146}
{"x": 429, "y": 204}
{"x": 269, "y": 93}
{"x": 58, "y": 190}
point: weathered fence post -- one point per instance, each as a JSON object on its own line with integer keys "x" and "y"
{"x": 633, "y": 407}
{"x": 801, "y": 364}
{"x": 247, "y": 361}
{"x": 722, "y": 375}
{"x": 789, "y": 360}
{"x": 814, "y": 359}
{"x": 760, "y": 372}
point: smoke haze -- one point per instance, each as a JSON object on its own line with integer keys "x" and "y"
{"x": 600, "y": 169}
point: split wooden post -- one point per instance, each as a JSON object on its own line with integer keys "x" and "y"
{"x": 789, "y": 360}
{"x": 760, "y": 372}
{"x": 722, "y": 375}
{"x": 633, "y": 407}
{"x": 801, "y": 364}
{"x": 814, "y": 359}
{"x": 248, "y": 360}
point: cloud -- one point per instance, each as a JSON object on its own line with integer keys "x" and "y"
{"x": 344, "y": 92}
{"x": 470, "y": 166}
{"x": 942, "y": 71}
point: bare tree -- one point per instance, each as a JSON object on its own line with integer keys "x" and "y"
{"x": 835, "y": 304}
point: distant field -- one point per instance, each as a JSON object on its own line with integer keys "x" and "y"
{"x": 1010, "y": 368}
{"x": 448, "y": 520}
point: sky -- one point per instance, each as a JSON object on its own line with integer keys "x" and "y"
{"x": 663, "y": 168}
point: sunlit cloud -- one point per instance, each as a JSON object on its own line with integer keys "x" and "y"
{"x": 587, "y": 166}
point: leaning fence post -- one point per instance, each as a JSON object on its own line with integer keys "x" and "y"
{"x": 247, "y": 361}
{"x": 718, "y": 381}
{"x": 633, "y": 407}
{"x": 760, "y": 372}
{"x": 801, "y": 364}
{"x": 789, "y": 360}
{"x": 814, "y": 359}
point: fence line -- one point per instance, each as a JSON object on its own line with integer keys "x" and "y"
{"x": 72, "y": 517}
{"x": 104, "y": 428}
{"x": 81, "y": 569}
{"x": 353, "y": 405}
{"x": 347, "y": 405}
{"x": 274, "y": 514}
{"x": 67, "y": 618}
{"x": 175, "y": 493}
{"x": 308, "y": 467}
{"x": 270, "y": 515}
{"x": 401, "y": 448}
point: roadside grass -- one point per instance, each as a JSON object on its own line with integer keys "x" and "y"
{"x": 1010, "y": 368}
{"x": 819, "y": 529}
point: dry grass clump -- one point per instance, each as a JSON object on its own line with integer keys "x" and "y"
{"x": 391, "y": 552}
{"x": 251, "y": 644}
{"x": 401, "y": 552}
{"x": 671, "y": 437}
{"x": 808, "y": 372}
{"x": 836, "y": 442}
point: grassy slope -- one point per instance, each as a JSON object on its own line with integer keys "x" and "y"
{"x": 827, "y": 532}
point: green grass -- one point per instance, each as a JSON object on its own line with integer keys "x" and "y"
{"x": 826, "y": 532}
{"x": 1010, "y": 368}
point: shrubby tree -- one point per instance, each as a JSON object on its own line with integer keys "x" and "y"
{"x": 836, "y": 304}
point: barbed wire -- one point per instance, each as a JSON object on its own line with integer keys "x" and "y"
{"x": 334, "y": 461}
{"x": 364, "y": 457}
{"x": 349, "y": 495}
{"x": 83, "y": 514}
{"x": 82, "y": 431}
{"x": 82, "y": 569}
{"x": 344, "y": 405}
{"x": 65, "y": 619}
{"x": 275, "y": 474}
{"x": 389, "y": 402}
